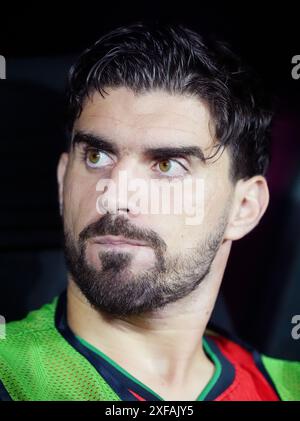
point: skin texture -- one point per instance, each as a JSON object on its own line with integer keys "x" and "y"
{"x": 159, "y": 345}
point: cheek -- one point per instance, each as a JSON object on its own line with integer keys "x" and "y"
{"x": 180, "y": 220}
{"x": 175, "y": 232}
{"x": 203, "y": 206}
{"x": 79, "y": 203}
{"x": 217, "y": 196}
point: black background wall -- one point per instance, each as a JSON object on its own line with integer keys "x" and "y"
{"x": 261, "y": 288}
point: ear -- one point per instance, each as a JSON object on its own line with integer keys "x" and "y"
{"x": 61, "y": 171}
{"x": 250, "y": 202}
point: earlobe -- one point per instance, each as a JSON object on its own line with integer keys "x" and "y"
{"x": 250, "y": 203}
{"x": 61, "y": 171}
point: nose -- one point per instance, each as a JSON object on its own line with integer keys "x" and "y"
{"x": 114, "y": 202}
{"x": 115, "y": 196}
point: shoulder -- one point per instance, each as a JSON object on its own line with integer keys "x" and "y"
{"x": 285, "y": 375}
{"x": 23, "y": 338}
{"x": 23, "y": 349}
{"x": 37, "y": 363}
{"x": 35, "y": 321}
{"x": 267, "y": 374}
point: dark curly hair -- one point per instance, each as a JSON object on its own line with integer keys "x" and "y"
{"x": 176, "y": 59}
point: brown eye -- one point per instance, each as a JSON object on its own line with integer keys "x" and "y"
{"x": 97, "y": 159}
{"x": 171, "y": 168}
{"x": 93, "y": 157}
{"x": 164, "y": 166}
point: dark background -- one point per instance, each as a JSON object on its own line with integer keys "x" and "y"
{"x": 261, "y": 288}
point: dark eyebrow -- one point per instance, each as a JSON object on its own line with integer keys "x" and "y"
{"x": 97, "y": 142}
{"x": 181, "y": 151}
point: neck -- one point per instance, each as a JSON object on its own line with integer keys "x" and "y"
{"x": 164, "y": 344}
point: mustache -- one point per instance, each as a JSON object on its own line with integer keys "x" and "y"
{"x": 120, "y": 225}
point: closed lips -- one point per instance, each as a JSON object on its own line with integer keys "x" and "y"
{"x": 118, "y": 240}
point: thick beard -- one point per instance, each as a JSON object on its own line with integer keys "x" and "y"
{"x": 115, "y": 290}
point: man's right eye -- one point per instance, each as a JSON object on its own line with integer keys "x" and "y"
{"x": 96, "y": 159}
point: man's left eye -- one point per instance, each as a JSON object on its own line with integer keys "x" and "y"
{"x": 171, "y": 168}
{"x": 97, "y": 159}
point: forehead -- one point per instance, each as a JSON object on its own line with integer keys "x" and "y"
{"x": 155, "y": 117}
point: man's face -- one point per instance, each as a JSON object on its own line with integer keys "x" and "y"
{"x": 156, "y": 138}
